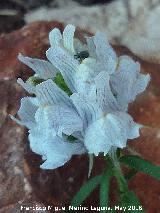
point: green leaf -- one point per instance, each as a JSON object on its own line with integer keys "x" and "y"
{"x": 85, "y": 190}
{"x": 130, "y": 203}
{"x": 141, "y": 165}
{"x": 34, "y": 80}
{"x": 61, "y": 83}
{"x": 130, "y": 174}
{"x": 71, "y": 138}
{"x": 104, "y": 188}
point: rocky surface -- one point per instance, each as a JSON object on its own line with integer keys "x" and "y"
{"x": 131, "y": 23}
{"x": 12, "y": 11}
{"x": 90, "y": 2}
{"x": 14, "y": 171}
{"x": 22, "y": 182}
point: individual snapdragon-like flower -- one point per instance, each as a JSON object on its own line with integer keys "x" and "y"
{"x": 94, "y": 113}
{"x": 126, "y": 81}
{"x": 49, "y": 116}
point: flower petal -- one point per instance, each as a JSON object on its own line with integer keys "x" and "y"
{"x": 58, "y": 152}
{"x": 124, "y": 122}
{"x": 42, "y": 68}
{"x": 49, "y": 93}
{"x": 104, "y": 95}
{"x": 79, "y": 46}
{"x": 54, "y": 150}
{"x": 27, "y": 112}
{"x": 87, "y": 108}
{"x": 63, "y": 119}
{"x": 127, "y": 82}
{"x": 141, "y": 84}
{"x": 65, "y": 63}
{"x": 68, "y": 37}
{"x": 28, "y": 87}
{"x": 36, "y": 140}
{"x": 55, "y": 37}
{"x": 105, "y": 53}
{"x": 84, "y": 76}
{"x": 91, "y": 46}
{"x": 112, "y": 130}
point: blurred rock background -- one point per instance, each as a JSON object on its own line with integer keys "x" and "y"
{"x": 131, "y": 23}
{"x": 133, "y": 27}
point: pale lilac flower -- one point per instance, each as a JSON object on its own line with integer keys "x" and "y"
{"x": 49, "y": 116}
{"x": 43, "y": 70}
{"x": 126, "y": 81}
{"x": 102, "y": 86}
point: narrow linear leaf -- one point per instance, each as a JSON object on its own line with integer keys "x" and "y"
{"x": 141, "y": 165}
{"x": 130, "y": 203}
{"x": 104, "y": 188}
{"x": 85, "y": 190}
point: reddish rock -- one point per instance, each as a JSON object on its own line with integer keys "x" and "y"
{"x": 21, "y": 179}
{"x": 14, "y": 178}
{"x": 31, "y": 40}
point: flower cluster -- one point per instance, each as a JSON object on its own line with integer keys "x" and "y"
{"x": 90, "y": 114}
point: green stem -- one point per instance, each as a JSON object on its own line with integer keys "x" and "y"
{"x": 122, "y": 183}
{"x": 123, "y": 186}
